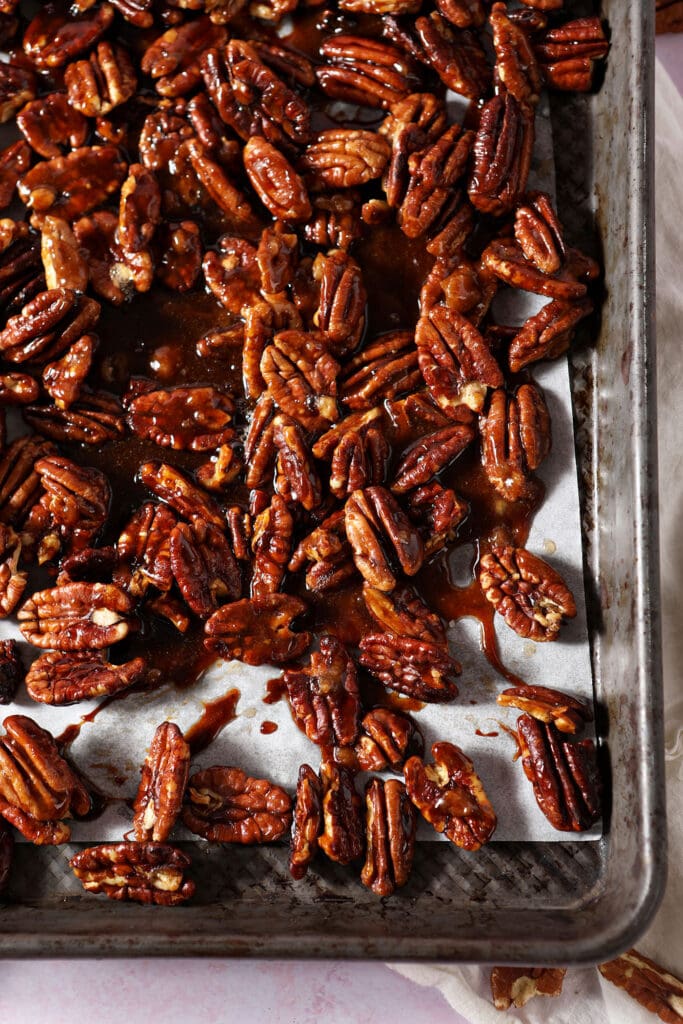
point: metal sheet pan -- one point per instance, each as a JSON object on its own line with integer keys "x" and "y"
{"x": 526, "y": 903}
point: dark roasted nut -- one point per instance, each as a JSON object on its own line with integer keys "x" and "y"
{"x": 178, "y": 252}
{"x": 547, "y": 334}
{"x": 97, "y": 417}
{"x": 359, "y": 460}
{"x": 648, "y": 983}
{"x": 275, "y": 181}
{"x": 67, "y": 678}
{"x": 239, "y": 528}
{"x": 174, "y": 488}
{"x": 307, "y": 823}
{"x": 48, "y": 325}
{"x": 405, "y": 613}
{"x": 161, "y": 137}
{"x": 381, "y": 371}
{"x": 533, "y": 599}
{"x": 325, "y": 446}
{"x": 100, "y": 83}
{"x": 341, "y": 306}
{"x": 173, "y": 59}
{"x": 164, "y": 776}
{"x": 271, "y": 543}
{"x": 11, "y": 673}
{"x": 62, "y": 258}
{"x": 449, "y": 794}
{"x": 329, "y": 553}
{"x": 296, "y": 479}
{"x": 14, "y": 160}
{"x": 505, "y": 259}
{"x": 167, "y": 607}
{"x": 455, "y": 361}
{"x": 301, "y": 376}
{"x": 143, "y": 872}
{"x": 288, "y": 63}
{"x": 195, "y": 418}
{"x": 20, "y": 269}
{"x": 566, "y": 713}
{"x": 502, "y": 156}
{"x": 388, "y": 738}
{"x": 515, "y": 439}
{"x": 19, "y": 483}
{"x": 517, "y": 985}
{"x": 17, "y": 87}
{"x": 342, "y": 838}
{"x": 391, "y": 823}
{"x": 430, "y": 455}
{"x": 12, "y": 581}
{"x": 63, "y": 380}
{"x": 53, "y": 39}
{"x": 226, "y": 805}
{"x": 50, "y": 125}
{"x": 144, "y": 552}
{"x": 111, "y": 276}
{"x": 203, "y": 566}
{"x": 539, "y": 233}
{"x": 421, "y": 669}
{"x": 259, "y": 446}
{"x": 258, "y": 631}
{"x": 567, "y": 54}
{"x": 324, "y": 697}
{"x": 516, "y": 65}
{"x": 77, "y": 617}
{"x": 69, "y": 186}
{"x": 378, "y": 530}
{"x": 370, "y": 72}
{"x": 564, "y": 775}
{"x": 345, "y": 158}
{"x": 457, "y": 56}
{"x": 335, "y": 222}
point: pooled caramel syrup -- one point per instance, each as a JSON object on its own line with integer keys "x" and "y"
{"x": 216, "y": 715}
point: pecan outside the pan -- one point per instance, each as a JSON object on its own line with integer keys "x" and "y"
{"x": 651, "y": 985}
{"x": 324, "y": 696}
{"x": 515, "y": 439}
{"x": 307, "y": 822}
{"x": 515, "y": 986}
{"x": 342, "y": 838}
{"x": 502, "y": 156}
{"x": 568, "y": 714}
{"x": 564, "y": 775}
{"x": 226, "y": 805}
{"x": 77, "y": 616}
{"x": 164, "y": 776}
{"x": 11, "y": 671}
{"x": 258, "y": 631}
{"x": 388, "y": 738}
{"x": 61, "y": 678}
{"x": 143, "y": 872}
{"x": 390, "y": 825}
{"x": 379, "y": 530}
{"x": 449, "y": 794}
{"x": 421, "y": 669}
{"x": 531, "y": 596}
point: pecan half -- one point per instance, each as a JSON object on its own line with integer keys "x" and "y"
{"x": 296, "y": 479}
{"x": 515, "y": 986}
{"x": 515, "y": 439}
{"x": 53, "y": 38}
{"x": 516, "y": 66}
{"x": 262, "y": 322}
{"x": 69, "y": 186}
{"x": 275, "y": 181}
{"x": 345, "y": 158}
{"x": 226, "y": 805}
{"x": 430, "y": 455}
{"x": 539, "y": 233}
{"x": 103, "y": 81}
{"x": 324, "y": 697}
{"x": 163, "y": 779}
{"x": 378, "y": 530}
{"x": 329, "y": 554}
{"x": 404, "y": 612}
{"x": 547, "y": 334}
{"x": 17, "y": 87}
{"x": 233, "y": 274}
{"x": 566, "y": 713}
{"x": 194, "y": 418}
{"x": 532, "y": 598}
{"x": 307, "y": 822}
{"x": 648, "y": 983}
{"x": 457, "y": 56}
{"x": 301, "y": 376}
{"x": 564, "y": 775}
{"x": 19, "y": 482}
{"x": 48, "y": 325}
{"x": 173, "y": 59}
{"x": 433, "y": 174}
{"x": 76, "y": 499}
{"x": 62, "y": 258}
{"x": 359, "y": 460}
{"x": 66, "y": 678}
{"x": 450, "y": 795}
{"x": 502, "y": 155}
{"x": 341, "y": 307}
{"x": 335, "y": 221}
{"x": 567, "y": 54}
{"x": 505, "y": 259}
{"x": 391, "y": 823}
{"x": 144, "y": 550}
{"x": 50, "y": 125}
{"x": 387, "y": 739}
{"x": 12, "y": 581}
{"x": 143, "y": 872}
{"x": 174, "y": 488}
{"x": 365, "y": 71}
{"x": 277, "y": 256}
{"x": 258, "y": 631}
{"x": 77, "y": 617}
{"x": 422, "y": 669}
{"x": 380, "y": 371}
{"x": 11, "y": 672}
{"x": 342, "y": 838}
{"x": 203, "y": 566}
{"x": 14, "y": 160}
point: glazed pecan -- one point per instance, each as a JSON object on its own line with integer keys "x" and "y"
{"x": 277, "y": 256}
{"x": 174, "y": 488}
{"x": 516, "y": 65}
{"x": 288, "y": 63}
{"x": 532, "y": 598}
{"x": 77, "y": 617}
{"x": 380, "y": 6}
{"x": 539, "y": 233}
{"x": 387, "y": 739}
{"x": 235, "y": 205}
{"x": 335, "y": 221}
{"x": 564, "y": 775}
{"x": 95, "y": 418}
{"x": 359, "y": 460}
{"x": 463, "y": 13}
{"x": 432, "y": 175}
{"x": 19, "y": 482}
{"x": 40, "y": 833}
{"x": 262, "y": 322}
{"x": 203, "y": 566}
{"x": 178, "y": 254}
{"x": 341, "y": 307}
{"x": 226, "y": 805}
{"x": 17, "y": 87}
{"x": 430, "y": 455}
{"x": 302, "y": 378}
{"x": 163, "y": 779}
{"x": 502, "y": 155}
{"x": 14, "y": 160}
{"x": 307, "y": 823}
{"x": 62, "y": 258}
{"x": 59, "y": 678}
{"x": 76, "y": 500}
{"x": 48, "y": 325}
{"x": 515, "y": 986}
{"x": 233, "y": 274}
{"x": 422, "y": 669}
{"x": 143, "y": 872}
{"x": 103, "y": 81}
{"x": 505, "y": 259}
{"x": 139, "y": 211}
{"x": 567, "y": 54}
{"x": 457, "y": 56}
{"x": 51, "y": 125}
{"x": 566, "y": 713}
{"x": 18, "y": 389}
{"x": 390, "y": 824}
{"x": 455, "y": 361}
{"x": 173, "y": 60}
{"x": 12, "y": 581}
{"x": 144, "y": 550}
{"x": 326, "y": 445}
{"x": 163, "y": 132}
{"x": 344, "y": 158}
{"x": 69, "y": 186}
{"x": 515, "y": 439}
{"x": 194, "y": 418}
{"x": 404, "y": 612}
{"x": 329, "y": 554}
{"x": 449, "y": 794}
{"x": 275, "y": 181}
{"x": 52, "y": 39}
{"x": 296, "y": 479}
{"x": 651, "y": 985}
{"x": 379, "y": 533}
{"x": 369, "y": 72}
{"x": 547, "y": 334}
{"x": 342, "y": 837}
{"x": 324, "y": 696}
{"x": 462, "y": 284}
{"x": 386, "y": 368}
{"x": 258, "y": 631}
{"x": 11, "y": 672}
{"x": 21, "y": 274}
{"x": 112, "y": 275}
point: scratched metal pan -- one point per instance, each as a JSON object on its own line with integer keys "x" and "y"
{"x": 511, "y": 902}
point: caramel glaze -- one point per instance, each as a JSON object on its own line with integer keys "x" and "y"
{"x": 216, "y": 715}
{"x": 268, "y": 727}
{"x": 478, "y": 732}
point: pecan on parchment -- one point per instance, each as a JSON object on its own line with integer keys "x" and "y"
{"x": 515, "y": 986}
{"x": 48, "y": 325}
{"x": 516, "y": 65}
{"x": 516, "y": 438}
{"x": 430, "y": 455}
{"x": 505, "y": 259}
{"x": 342, "y": 838}
{"x": 296, "y": 479}
{"x": 226, "y": 805}
{"x": 60, "y": 678}
{"x": 17, "y": 87}
{"x": 302, "y": 378}
{"x": 450, "y": 795}
{"x": 103, "y": 81}
{"x": 14, "y": 160}
{"x": 502, "y": 156}
{"x": 203, "y": 566}
{"x": 539, "y": 233}
{"x": 457, "y": 56}
{"x": 173, "y": 60}
{"x": 390, "y": 826}
{"x": 402, "y": 611}
{"x": 462, "y": 284}
{"x": 359, "y": 460}
{"x": 307, "y": 822}
{"x": 164, "y": 776}
{"x": 40, "y": 833}
{"x": 143, "y": 872}
{"x": 324, "y": 696}
{"x": 344, "y": 158}
{"x": 51, "y": 126}
{"x": 566, "y": 713}
{"x": 567, "y": 54}
{"x": 275, "y": 181}
{"x": 422, "y": 669}
{"x": 369, "y": 72}
{"x": 54, "y": 38}
{"x": 380, "y": 371}
{"x": 327, "y": 553}
{"x": 11, "y": 672}
{"x": 380, "y": 534}
{"x": 531, "y": 596}
{"x": 144, "y": 550}
{"x": 178, "y": 491}
{"x": 341, "y": 306}
{"x": 77, "y": 617}
{"x": 564, "y": 775}
{"x": 648, "y": 983}
{"x": 258, "y": 631}
{"x": 387, "y": 739}
{"x": 69, "y": 186}
{"x": 194, "y": 418}
{"x": 547, "y": 334}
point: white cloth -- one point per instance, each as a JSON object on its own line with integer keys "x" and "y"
{"x": 586, "y": 997}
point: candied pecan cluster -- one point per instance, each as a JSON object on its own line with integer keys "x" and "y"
{"x": 284, "y": 186}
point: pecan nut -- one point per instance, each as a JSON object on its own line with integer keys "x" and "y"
{"x": 506, "y": 260}
{"x": 566, "y": 713}
{"x": 342, "y": 837}
{"x": 405, "y": 613}
{"x": 203, "y": 566}
{"x": 50, "y": 125}
{"x": 69, "y": 186}
{"x": 502, "y": 156}
{"x": 515, "y": 439}
{"x": 69, "y": 677}
{"x": 369, "y": 72}
{"x": 567, "y": 54}
{"x": 143, "y": 550}
{"x": 391, "y": 823}
{"x": 516, "y": 65}
{"x": 163, "y": 779}
{"x": 515, "y": 986}
{"x": 77, "y": 617}
{"x": 335, "y": 221}
{"x": 345, "y": 158}
{"x": 547, "y": 334}
{"x": 62, "y": 258}
{"x": 648, "y": 983}
{"x": 142, "y": 872}
{"x": 178, "y": 254}
{"x": 194, "y": 418}
{"x": 258, "y": 631}
{"x": 14, "y": 160}
{"x": 307, "y": 822}
{"x": 103, "y": 81}
{"x": 173, "y": 60}
{"x": 17, "y": 87}
{"x": 341, "y": 307}
{"x": 379, "y": 531}
{"x": 226, "y": 805}
{"x": 328, "y": 553}
{"x": 533, "y": 599}
{"x": 539, "y": 233}
{"x": 296, "y": 479}
{"x": 455, "y": 361}
{"x": 275, "y": 181}
{"x": 174, "y": 488}
{"x": 430, "y": 455}
{"x": 54, "y": 38}
{"x": 381, "y": 371}
{"x": 271, "y": 543}
{"x": 450, "y": 795}
{"x": 359, "y": 460}
{"x": 421, "y": 669}
{"x": 48, "y": 325}
{"x": 12, "y": 581}
{"x": 324, "y": 697}
{"x": 457, "y": 56}
{"x": 388, "y": 738}
{"x": 302, "y": 378}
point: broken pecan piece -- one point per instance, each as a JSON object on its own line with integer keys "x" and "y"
{"x": 11, "y": 672}
{"x": 324, "y": 696}
{"x": 225, "y": 805}
{"x": 59, "y": 678}
{"x": 515, "y": 986}
{"x": 307, "y": 823}
{"x": 174, "y": 488}
{"x": 69, "y": 186}
{"x": 421, "y": 669}
{"x": 533, "y": 599}
{"x": 379, "y": 531}
{"x": 450, "y": 795}
{"x": 258, "y": 631}
{"x": 194, "y": 418}
{"x": 515, "y": 439}
{"x": 566, "y": 713}
{"x": 77, "y": 617}
{"x": 163, "y": 779}
{"x": 390, "y": 825}
{"x": 342, "y": 838}
{"x": 648, "y": 983}
{"x": 143, "y": 872}
{"x": 388, "y": 738}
